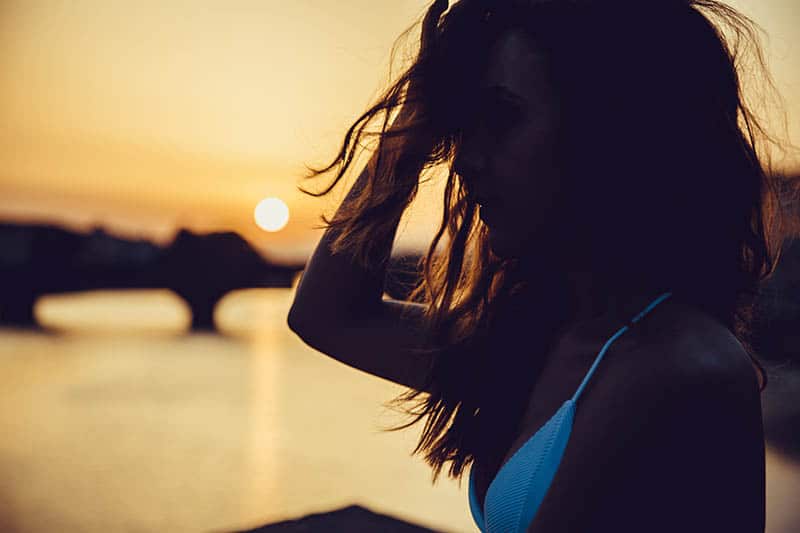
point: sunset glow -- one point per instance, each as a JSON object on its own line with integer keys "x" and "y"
{"x": 222, "y": 102}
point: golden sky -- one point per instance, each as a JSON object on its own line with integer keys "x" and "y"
{"x": 146, "y": 115}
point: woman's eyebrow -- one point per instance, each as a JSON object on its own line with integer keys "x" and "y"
{"x": 501, "y": 90}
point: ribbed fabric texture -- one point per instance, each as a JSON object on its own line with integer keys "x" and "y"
{"x": 514, "y": 495}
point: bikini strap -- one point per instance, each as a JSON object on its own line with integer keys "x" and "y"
{"x": 614, "y": 337}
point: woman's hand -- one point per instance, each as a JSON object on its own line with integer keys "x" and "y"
{"x": 410, "y": 108}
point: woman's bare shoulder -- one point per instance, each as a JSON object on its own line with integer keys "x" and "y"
{"x": 685, "y": 343}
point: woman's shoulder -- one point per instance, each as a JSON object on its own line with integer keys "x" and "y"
{"x": 682, "y": 404}
{"x": 681, "y": 369}
{"x": 685, "y": 345}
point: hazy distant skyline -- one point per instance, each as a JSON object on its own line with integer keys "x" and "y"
{"x": 143, "y": 115}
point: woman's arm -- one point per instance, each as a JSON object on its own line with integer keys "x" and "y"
{"x": 339, "y": 310}
{"x": 334, "y": 285}
{"x": 338, "y": 306}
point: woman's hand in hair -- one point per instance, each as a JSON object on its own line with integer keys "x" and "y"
{"x": 430, "y": 28}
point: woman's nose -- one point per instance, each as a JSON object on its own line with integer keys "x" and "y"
{"x": 469, "y": 163}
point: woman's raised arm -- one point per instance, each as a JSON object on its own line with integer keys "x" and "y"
{"x": 338, "y": 308}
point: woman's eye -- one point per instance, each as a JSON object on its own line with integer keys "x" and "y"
{"x": 500, "y": 119}
{"x": 499, "y": 122}
{"x": 495, "y": 118}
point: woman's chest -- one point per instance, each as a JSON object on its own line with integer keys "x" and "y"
{"x": 602, "y": 380}
{"x": 556, "y": 383}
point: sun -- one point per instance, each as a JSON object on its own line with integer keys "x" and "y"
{"x": 271, "y": 214}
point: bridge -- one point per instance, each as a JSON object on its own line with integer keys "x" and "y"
{"x": 201, "y": 268}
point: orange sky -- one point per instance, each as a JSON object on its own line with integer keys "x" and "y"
{"x": 144, "y": 115}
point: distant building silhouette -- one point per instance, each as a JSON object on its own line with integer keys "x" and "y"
{"x": 201, "y": 268}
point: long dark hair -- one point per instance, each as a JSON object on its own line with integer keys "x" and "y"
{"x": 665, "y": 158}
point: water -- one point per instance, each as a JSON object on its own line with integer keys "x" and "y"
{"x": 121, "y": 420}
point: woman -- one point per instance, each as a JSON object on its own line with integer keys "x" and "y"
{"x": 617, "y": 173}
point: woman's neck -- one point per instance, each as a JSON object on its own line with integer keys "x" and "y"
{"x": 591, "y": 302}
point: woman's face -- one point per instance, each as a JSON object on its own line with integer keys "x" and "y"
{"x": 508, "y": 152}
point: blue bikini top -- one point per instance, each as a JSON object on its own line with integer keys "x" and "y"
{"x": 515, "y": 493}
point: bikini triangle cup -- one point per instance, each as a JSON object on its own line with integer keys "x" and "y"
{"x": 543, "y": 453}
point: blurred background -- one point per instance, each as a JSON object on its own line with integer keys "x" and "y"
{"x": 151, "y": 237}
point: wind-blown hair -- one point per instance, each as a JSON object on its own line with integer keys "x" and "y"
{"x": 667, "y": 177}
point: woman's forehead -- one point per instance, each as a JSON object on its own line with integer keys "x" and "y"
{"x": 518, "y": 64}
